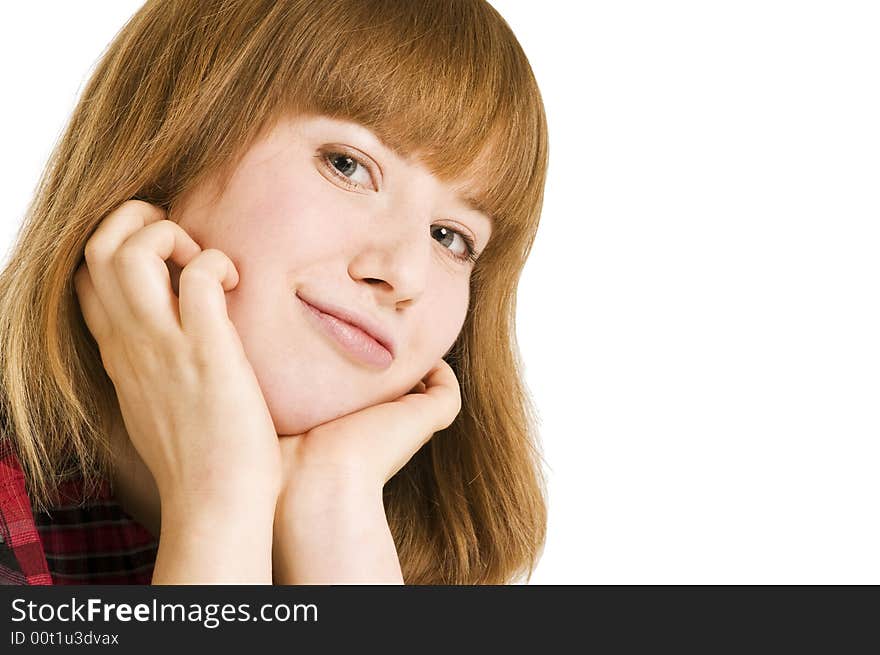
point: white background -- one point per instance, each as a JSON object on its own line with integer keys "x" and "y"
{"x": 699, "y": 318}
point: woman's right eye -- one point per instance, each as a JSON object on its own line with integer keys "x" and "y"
{"x": 350, "y": 170}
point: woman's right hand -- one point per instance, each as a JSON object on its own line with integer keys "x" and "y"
{"x": 188, "y": 396}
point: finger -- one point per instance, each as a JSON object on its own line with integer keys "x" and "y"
{"x": 402, "y": 426}
{"x": 444, "y": 396}
{"x": 102, "y": 246}
{"x": 203, "y": 283}
{"x": 90, "y": 305}
{"x": 143, "y": 275}
{"x": 430, "y": 412}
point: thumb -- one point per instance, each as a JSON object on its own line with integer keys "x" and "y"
{"x": 428, "y": 412}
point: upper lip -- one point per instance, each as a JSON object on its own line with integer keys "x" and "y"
{"x": 360, "y": 321}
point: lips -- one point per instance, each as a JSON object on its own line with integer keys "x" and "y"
{"x": 357, "y": 335}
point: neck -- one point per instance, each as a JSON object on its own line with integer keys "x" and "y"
{"x": 131, "y": 481}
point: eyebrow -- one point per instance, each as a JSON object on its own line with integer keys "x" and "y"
{"x": 471, "y": 201}
{"x": 477, "y": 205}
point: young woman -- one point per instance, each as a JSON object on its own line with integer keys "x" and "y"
{"x": 259, "y": 323}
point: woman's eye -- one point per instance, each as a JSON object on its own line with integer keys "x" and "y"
{"x": 465, "y": 251}
{"x": 348, "y": 169}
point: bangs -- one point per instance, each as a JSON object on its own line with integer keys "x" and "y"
{"x": 444, "y": 83}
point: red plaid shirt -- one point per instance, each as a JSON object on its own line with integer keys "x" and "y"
{"x": 78, "y": 541}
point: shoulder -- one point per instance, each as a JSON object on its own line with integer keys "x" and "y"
{"x": 22, "y": 560}
{"x": 84, "y": 538}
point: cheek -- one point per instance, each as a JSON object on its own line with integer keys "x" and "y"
{"x": 441, "y": 325}
{"x": 288, "y": 224}
{"x": 270, "y": 239}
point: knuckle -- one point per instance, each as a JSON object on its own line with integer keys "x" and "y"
{"x": 193, "y": 272}
{"x": 141, "y": 207}
{"x": 163, "y": 228}
{"x": 167, "y": 224}
{"x": 93, "y": 251}
{"x": 207, "y": 264}
{"x": 209, "y": 254}
{"x": 126, "y": 258}
{"x": 454, "y": 407}
{"x": 457, "y": 401}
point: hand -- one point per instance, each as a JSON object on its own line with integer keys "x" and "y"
{"x": 364, "y": 449}
{"x": 189, "y": 399}
{"x": 330, "y": 525}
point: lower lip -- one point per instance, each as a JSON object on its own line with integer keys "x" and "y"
{"x": 354, "y": 341}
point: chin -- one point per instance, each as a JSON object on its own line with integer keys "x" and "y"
{"x": 298, "y": 416}
{"x": 299, "y": 421}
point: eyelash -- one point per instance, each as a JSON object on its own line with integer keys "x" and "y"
{"x": 471, "y": 254}
{"x": 325, "y": 157}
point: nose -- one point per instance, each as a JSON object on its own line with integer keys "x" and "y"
{"x": 393, "y": 257}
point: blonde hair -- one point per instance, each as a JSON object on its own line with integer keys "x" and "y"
{"x": 180, "y": 94}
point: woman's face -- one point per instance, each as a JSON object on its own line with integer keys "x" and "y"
{"x": 320, "y": 213}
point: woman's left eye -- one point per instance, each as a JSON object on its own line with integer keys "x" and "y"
{"x": 446, "y": 237}
{"x": 350, "y": 170}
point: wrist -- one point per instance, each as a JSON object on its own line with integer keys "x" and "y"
{"x": 309, "y": 497}
{"x": 320, "y": 537}
{"x": 244, "y": 503}
{"x": 203, "y": 541}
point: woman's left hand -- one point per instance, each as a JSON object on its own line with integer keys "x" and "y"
{"x": 366, "y": 448}
{"x": 330, "y": 525}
